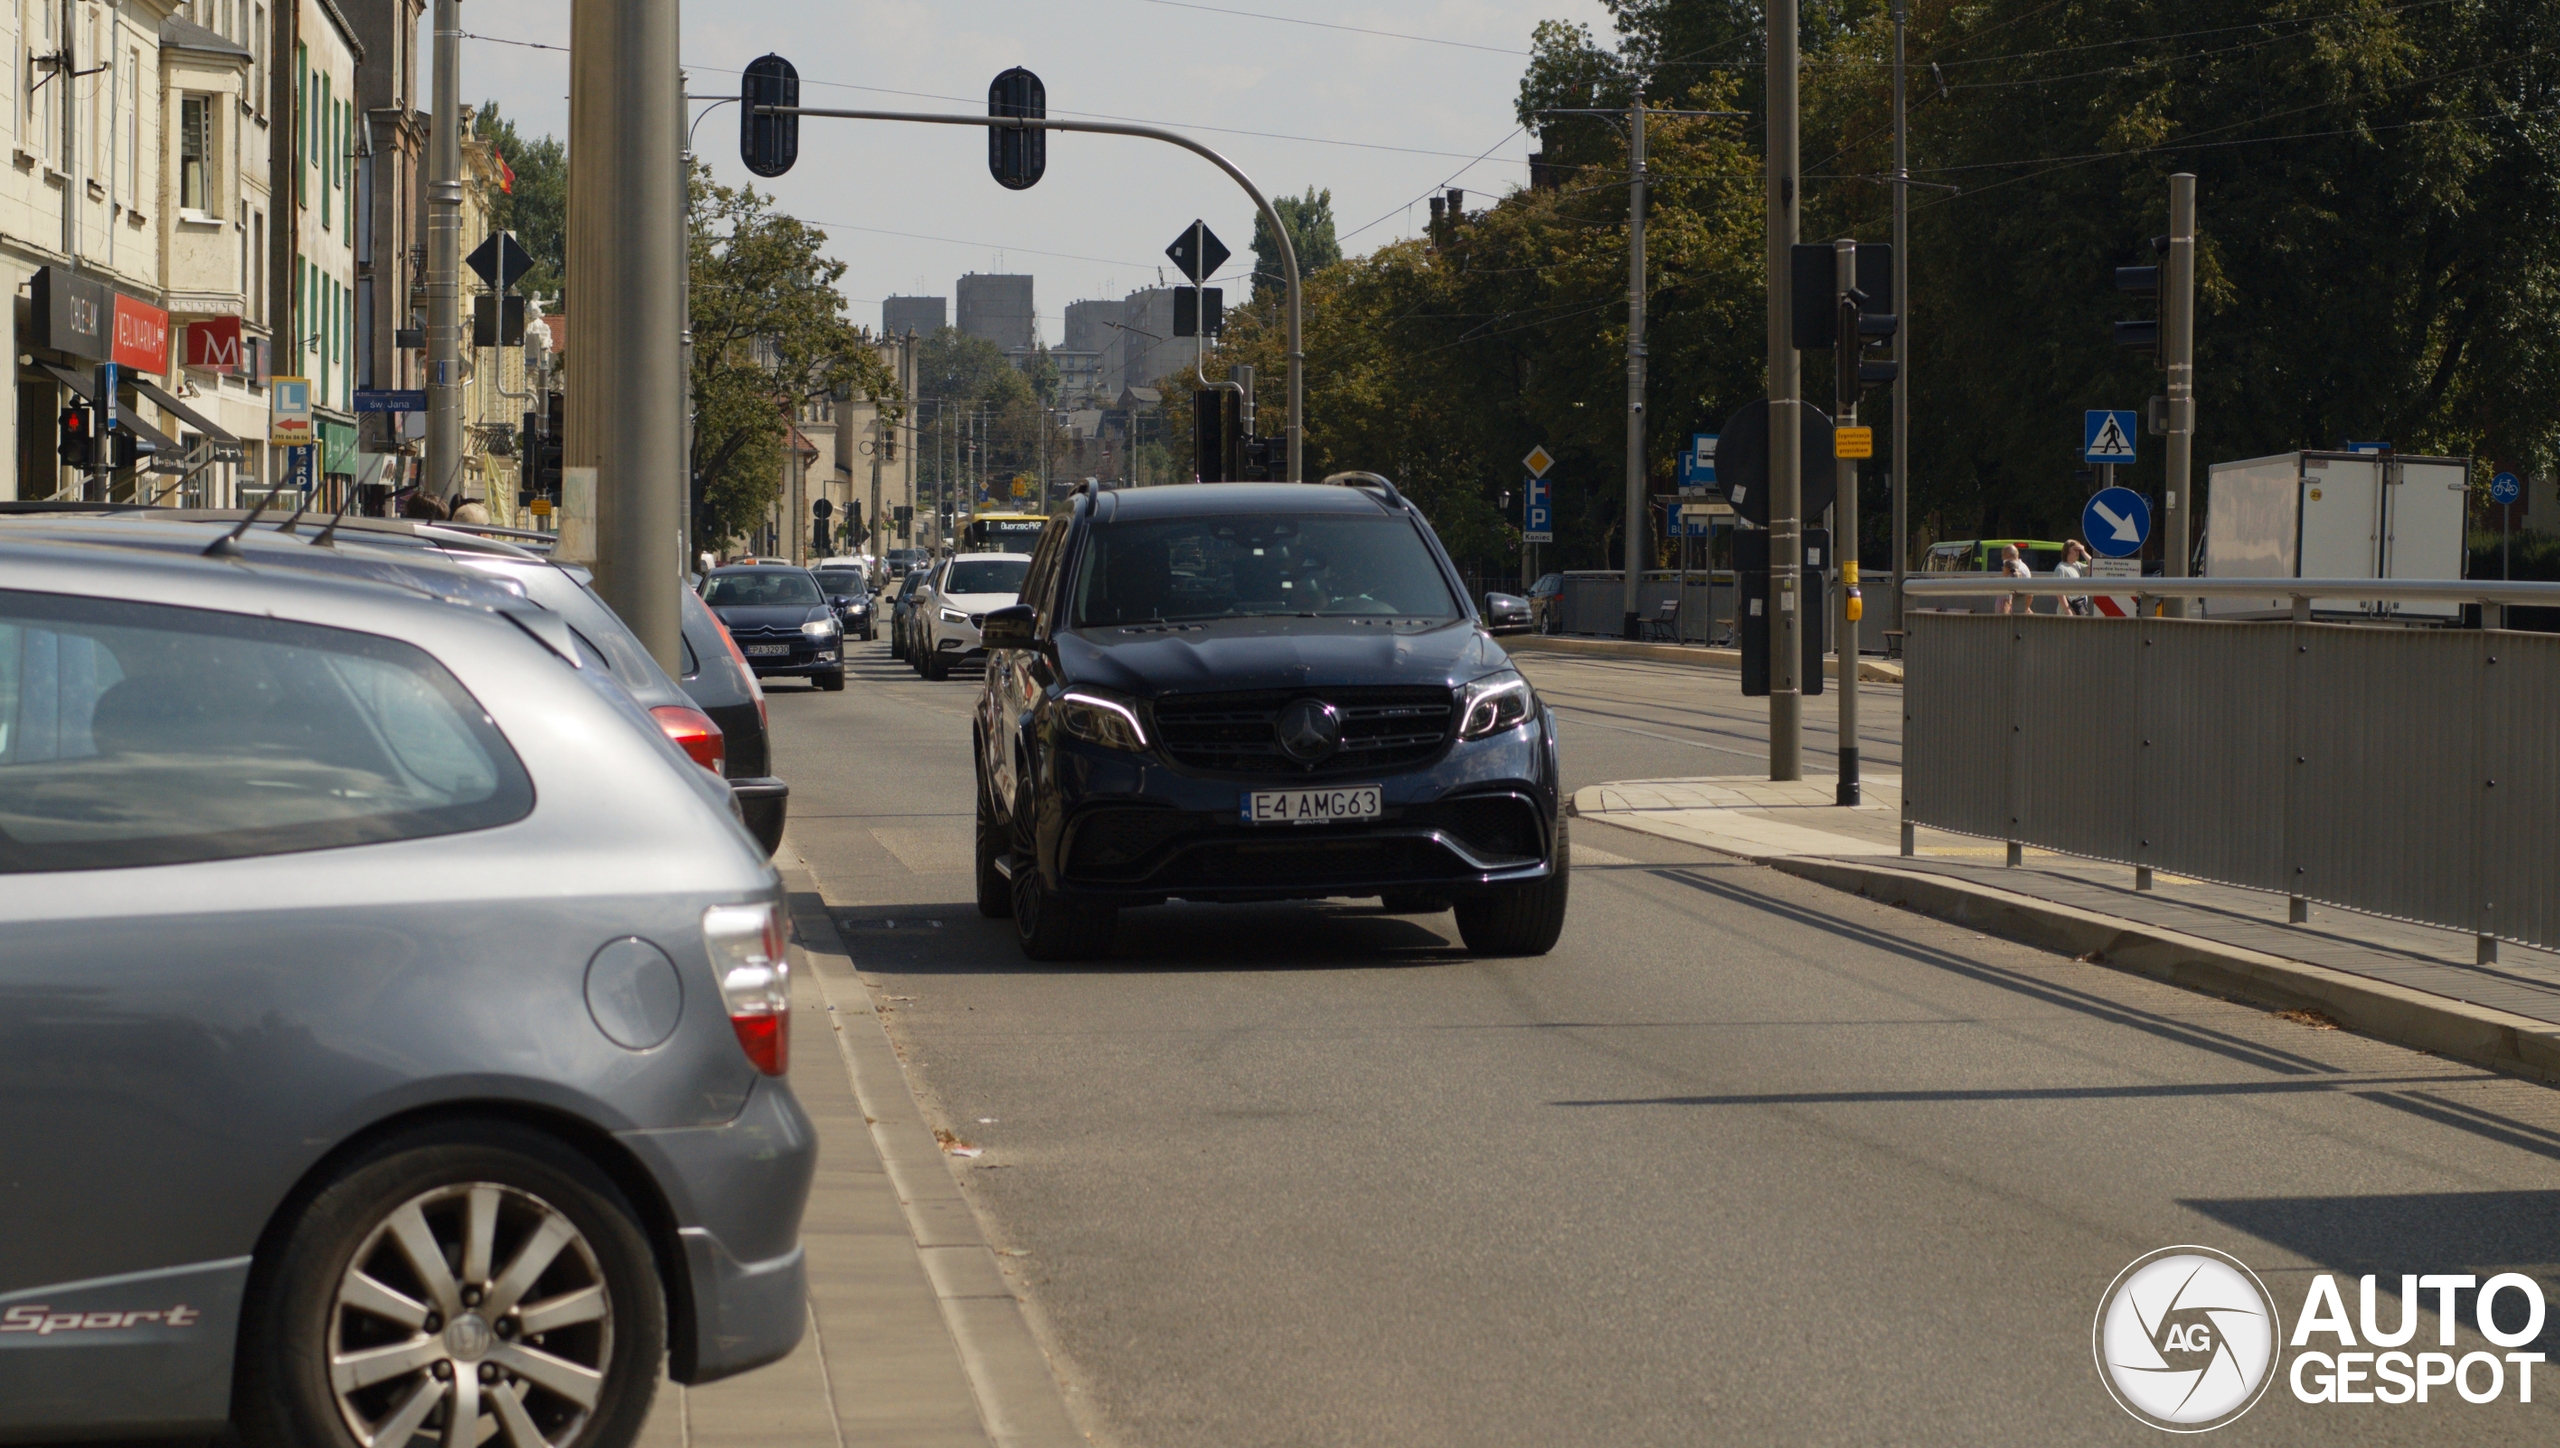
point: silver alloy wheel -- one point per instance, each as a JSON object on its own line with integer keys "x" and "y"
{"x": 468, "y": 1302}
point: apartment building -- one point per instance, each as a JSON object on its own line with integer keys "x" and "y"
{"x": 312, "y": 176}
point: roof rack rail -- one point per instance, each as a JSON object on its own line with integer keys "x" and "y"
{"x": 1373, "y": 481}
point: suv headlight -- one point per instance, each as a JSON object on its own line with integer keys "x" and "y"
{"x": 820, "y": 629}
{"x": 953, "y": 615}
{"x": 1493, "y": 704}
{"x": 1099, "y": 718}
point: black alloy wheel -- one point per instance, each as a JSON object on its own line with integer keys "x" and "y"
{"x": 995, "y": 892}
{"x": 1052, "y": 927}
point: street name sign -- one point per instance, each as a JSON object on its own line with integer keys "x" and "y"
{"x": 387, "y": 399}
{"x": 2107, "y": 435}
{"x": 2116, "y": 522}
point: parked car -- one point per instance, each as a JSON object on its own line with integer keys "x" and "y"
{"x": 1506, "y": 613}
{"x": 781, "y": 621}
{"x": 893, "y": 605}
{"x": 946, "y": 619}
{"x": 848, "y": 592}
{"x": 1249, "y": 691}
{"x": 903, "y": 561}
{"x": 393, "y": 1020}
{"x": 1546, "y": 604}
{"x": 912, "y": 596}
{"x": 717, "y": 679}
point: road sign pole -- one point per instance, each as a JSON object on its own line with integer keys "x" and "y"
{"x": 1902, "y": 333}
{"x": 1639, "y": 520}
{"x": 1844, "y": 508}
{"x": 1786, "y": 422}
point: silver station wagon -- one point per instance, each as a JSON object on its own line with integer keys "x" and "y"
{"x": 393, "y": 1021}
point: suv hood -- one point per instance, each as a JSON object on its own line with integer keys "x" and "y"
{"x": 1239, "y": 654}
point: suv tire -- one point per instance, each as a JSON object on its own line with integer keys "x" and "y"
{"x": 995, "y": 892}
{"x": 1052, "y": 927}
{"x": 897, "y": 642}
{"x": 832, "y": 683}
{"x": 937, "y": 666}
{"x": 1521, "y": 919}
{"x": 346, "y": 1243}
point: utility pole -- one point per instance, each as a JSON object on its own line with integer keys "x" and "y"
{"x": 1902, "y": 334}
{"x": 876, "y": 545}
{"x": 2178, "y": 354}
{"x": 444, "y": 263}
{"x": 1845, "y": 349}
{"x": 626, "y": 258}
{"x": 1786, "y": 425}
{"x": 1636, "y": 529}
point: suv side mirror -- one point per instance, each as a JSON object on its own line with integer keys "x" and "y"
{"x": 838, "y": 600}
{"x": 1008, "y": 627}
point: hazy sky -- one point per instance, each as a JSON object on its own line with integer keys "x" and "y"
{"x": 1382, "y": 121}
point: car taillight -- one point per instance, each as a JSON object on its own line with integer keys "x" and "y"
{"x": 748, "y": 946}
{"x": 695, "y": 734}
{"x": 755, "y": 685}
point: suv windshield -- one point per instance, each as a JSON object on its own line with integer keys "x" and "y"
{"x": 1247, "y": 566}
{"x": 746, "y": 590}
{"x": 986, "y": 575}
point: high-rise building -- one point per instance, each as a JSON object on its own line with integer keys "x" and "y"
{"x": 920, "y": 315}
{"x": 997, "y": 306}
{"x": 1091, "y": 325}
{"x": 1147, "y": 349}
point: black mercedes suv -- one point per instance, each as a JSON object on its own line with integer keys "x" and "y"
{"x": 1258, "y": 691}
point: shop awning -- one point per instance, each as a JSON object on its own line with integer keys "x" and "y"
{"x": 226, "y": 448}
{"x": 166, "y": 456}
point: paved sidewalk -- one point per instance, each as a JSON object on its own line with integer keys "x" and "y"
{"x": 914, "y": 1338}
{"x": 1796, "y": 822}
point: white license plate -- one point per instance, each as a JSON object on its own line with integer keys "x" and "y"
{"x": 1312, "y": 806}
{"x": 758, "y": 651}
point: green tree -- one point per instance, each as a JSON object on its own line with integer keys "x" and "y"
{"x": 971, "y": 392}
{"x": 1310, "y": 222}
{"x": 537, "y": 210}
{"x": 769, "y": 337}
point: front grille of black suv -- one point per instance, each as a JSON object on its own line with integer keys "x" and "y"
{"x": 1382, "y": 729}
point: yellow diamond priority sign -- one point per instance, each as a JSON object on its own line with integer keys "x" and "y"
{"x": 1538, "y": 462}
{"x": 1853, "y": 442}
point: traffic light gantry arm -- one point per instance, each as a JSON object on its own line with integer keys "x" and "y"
{"x": 1270, "y": 218}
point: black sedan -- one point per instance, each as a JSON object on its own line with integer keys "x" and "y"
{"x": 849, "y": 594}
{"x": 781, "y": 621}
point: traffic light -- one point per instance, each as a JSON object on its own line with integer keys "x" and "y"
{"x": 125, "y": 450}
{"x": 1815, "y": 290}
{"x": 2141, "y": 281}
{"x": 1217, "y": 434}
{"x": 1199, "y": 311}
{"x": 1016, "y": 156}
{"x": 905, "y": 516}
{"x": 75, "y": 443}
{"x": 768, "y": 144}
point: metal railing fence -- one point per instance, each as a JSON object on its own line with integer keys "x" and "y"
{"x": 1594, "y": 603}
{"x": 2404, "y": 772}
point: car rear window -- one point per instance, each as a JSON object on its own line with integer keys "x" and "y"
{"x": 746, "y": 590}
{"x": 139, "y": 734}
{"x": 986, "y": 575}
{"x": 1260, "y": 566}
{"x": 840, "y": 580}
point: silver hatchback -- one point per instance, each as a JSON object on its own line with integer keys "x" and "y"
{"x": 393, "y": 1022}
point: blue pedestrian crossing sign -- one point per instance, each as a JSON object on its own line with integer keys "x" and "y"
{"x": 2107, "y": 436}
{"x": 2505, "y": 488}
{"x": 2116, "y": 522}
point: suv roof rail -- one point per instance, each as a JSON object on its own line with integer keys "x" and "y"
{"x": 1374, "y": 481}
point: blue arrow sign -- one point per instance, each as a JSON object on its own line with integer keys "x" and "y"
{"x": 2116, "y": 522}
{"x": 2107, "y": 436}
{"x": 2505, "y": 488}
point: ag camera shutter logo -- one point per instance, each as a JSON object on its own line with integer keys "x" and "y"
{"x": 2185, "y": 1339}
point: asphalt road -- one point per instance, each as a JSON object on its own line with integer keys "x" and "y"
{"x": 1743, "y": 1161}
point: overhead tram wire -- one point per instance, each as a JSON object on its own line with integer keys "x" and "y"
{"x": 1330, "y": 25}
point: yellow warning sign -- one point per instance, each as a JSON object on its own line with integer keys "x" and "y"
{"x": 1853, "y": 442}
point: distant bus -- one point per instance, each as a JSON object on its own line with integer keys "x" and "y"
{"x": 1002, "y": 532}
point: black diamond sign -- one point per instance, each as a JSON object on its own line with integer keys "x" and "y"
{"x": 500, "y": 251}
{"x": 1197, "y": 253}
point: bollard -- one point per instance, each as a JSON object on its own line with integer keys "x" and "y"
{"x": 2488, "y": 953}
{"x": 1908, "y": 831}
{"x": 2017, "y": 852}
{"x": 2142, "y": 877}
{"x": 2297, "y": 911}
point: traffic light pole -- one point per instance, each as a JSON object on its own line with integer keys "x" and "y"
{"x": 1845, "y": 349}
{"x": 1902, "y": 333}
{"x": 1270, "y": 218}
{"x": 1786, "y": 425}
{"x": 444, "y": 263}
{"x": 1638, "y": 525}
{"x": 2178, "y": 354}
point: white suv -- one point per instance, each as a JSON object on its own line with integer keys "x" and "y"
{"x": 948, "y": 615}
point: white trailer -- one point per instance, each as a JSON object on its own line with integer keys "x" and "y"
{"x": 2335, "y": 515}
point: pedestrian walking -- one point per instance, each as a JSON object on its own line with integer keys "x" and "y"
{"x": 2015, "y": 567}
{"x": 2073, "y": 555}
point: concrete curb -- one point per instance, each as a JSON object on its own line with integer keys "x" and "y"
{"x": 1873, "y": 671}
{"x": 2457, "y": 1030}
{"x": 1020, "y": 1400}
